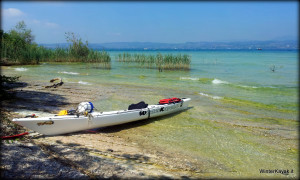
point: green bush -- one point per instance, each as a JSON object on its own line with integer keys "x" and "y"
{"x": 17, "y": 47}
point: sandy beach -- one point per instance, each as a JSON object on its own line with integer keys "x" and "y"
{"x": 87, "y": 154}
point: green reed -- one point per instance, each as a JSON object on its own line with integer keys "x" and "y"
{"x": 65, "y": 55}
{"x": 158, "y": 61}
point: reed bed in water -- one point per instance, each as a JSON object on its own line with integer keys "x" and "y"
{"x": 65, "y": 55}
{"x": 158, "y": 61}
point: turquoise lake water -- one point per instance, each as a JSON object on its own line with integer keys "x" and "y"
{"x": 244, "y": 75}
{"x": 231, "y": 90}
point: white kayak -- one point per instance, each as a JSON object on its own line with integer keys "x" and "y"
{"x": 56, "y": 125}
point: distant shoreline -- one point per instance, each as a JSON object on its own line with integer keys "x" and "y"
{"x": 242, "y": 45}
{"x": 190, "y": 49}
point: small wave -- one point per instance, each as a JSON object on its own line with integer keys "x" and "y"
{"x": 65, "y": 72}
{"x": 210, "y": 96}
{"x": 85, "y": 83}
{"x": 217, "y": 81}
{"x": 189, "y": 78}
{"x": 244, "y": 86}
{"x": 269, "y": 87}
{"x": 21, "y": 69}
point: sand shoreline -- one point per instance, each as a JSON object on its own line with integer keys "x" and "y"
{"x": 85, "y": 154}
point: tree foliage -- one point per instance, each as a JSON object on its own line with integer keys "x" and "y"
{"x": 18, "y": 47}
{"x": 77, "y": 49}
{"x": 22, "y": 31}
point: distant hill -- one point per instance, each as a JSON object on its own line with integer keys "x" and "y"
{"x": 283, "y": 45}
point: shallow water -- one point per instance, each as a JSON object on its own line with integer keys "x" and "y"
{"x": 242, "y": 118}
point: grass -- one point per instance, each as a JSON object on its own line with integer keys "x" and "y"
{"x": 158, "y": 61}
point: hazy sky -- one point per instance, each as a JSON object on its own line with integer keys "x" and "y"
{"x": 170, "y": 22}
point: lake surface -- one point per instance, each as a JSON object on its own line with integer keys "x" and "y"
{"x": 243, "y": 117}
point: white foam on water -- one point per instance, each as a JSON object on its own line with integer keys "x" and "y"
{"x": 85, "y": 83}
{"x": 21, "y": 69}
{"x": 65, "y": 72}
{"x": 210, "y": 96}
{"x": 244, "y": 86}
{"x": 189, "y": 78}
{"x": 217, "y": 81}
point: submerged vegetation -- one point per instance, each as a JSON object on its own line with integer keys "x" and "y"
{"x": 158, "y": 61}
{"x": 17, "y": 47}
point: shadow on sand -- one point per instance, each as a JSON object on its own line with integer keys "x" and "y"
{"x": 96, "y": 164}
{"x": 31, "y": 100}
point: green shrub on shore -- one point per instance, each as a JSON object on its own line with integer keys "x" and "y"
{"x": 17, "y": 47}
{"x": 158, "y": 61}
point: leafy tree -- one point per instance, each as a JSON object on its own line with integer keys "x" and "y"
{"x": 77, "y": 49}
{"x": 17, "y": 45}
{"x": 22, "y": 31}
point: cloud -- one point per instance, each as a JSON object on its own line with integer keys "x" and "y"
{"x": 12, "y": 12}
{"x": 12, "y": 15}
{"x": 44, "y": 23}
{"x": 44, "y": 30}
